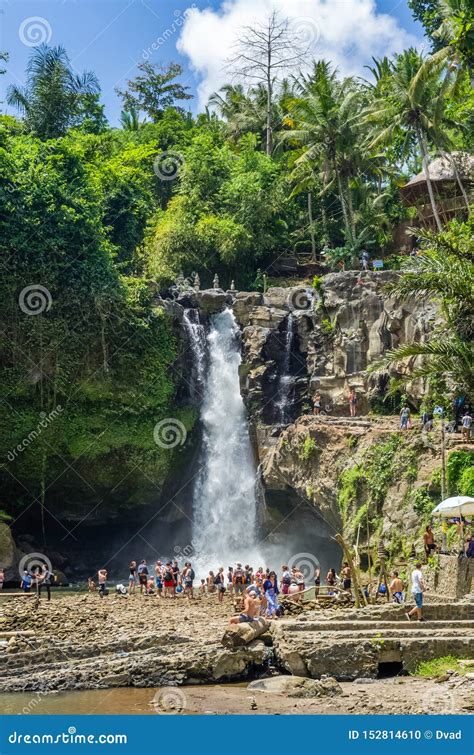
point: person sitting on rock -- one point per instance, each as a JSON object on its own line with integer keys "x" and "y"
{"x": 251, "y": 609}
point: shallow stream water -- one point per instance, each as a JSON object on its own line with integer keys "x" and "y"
{"x": 120, "y": 701}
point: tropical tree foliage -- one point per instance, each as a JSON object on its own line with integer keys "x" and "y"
{"x": 444, "y": 272}
{"x": 154, "y": 90}
{"x": 55, "y": 98}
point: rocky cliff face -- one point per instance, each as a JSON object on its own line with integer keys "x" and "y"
{"x": 339, "y": 330}
{"x": 299, "y": 342}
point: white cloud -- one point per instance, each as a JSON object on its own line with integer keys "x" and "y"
{"x": 346, "y": 32}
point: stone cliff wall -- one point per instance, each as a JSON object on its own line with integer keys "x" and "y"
{"x": 361, "y": 476}
{"x": 341, "y": 328}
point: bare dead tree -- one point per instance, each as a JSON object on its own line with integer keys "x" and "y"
{"x": 262, "y": 52}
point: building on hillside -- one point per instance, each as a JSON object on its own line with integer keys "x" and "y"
{"x": 450, "y": 201}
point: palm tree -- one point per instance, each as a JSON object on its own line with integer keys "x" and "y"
{"x": 54, "y": 96}
{"x": 412, "y": 108}
{"x": 130, "y": 121}
{"x": 456, "y": 34}
{"x": 443, "y": 272}
{"x": 324, "y": 121}
{"x": 246, "y": 111}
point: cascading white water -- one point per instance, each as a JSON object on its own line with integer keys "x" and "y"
{"x": 285, "y": 381}
{"x": 196, "y": 336}
{"x": 224, "y": 502}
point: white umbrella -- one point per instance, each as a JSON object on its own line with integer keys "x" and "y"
{"x": 458, "y": 505}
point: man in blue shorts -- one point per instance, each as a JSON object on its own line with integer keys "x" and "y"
{"x": 417, "y": 589}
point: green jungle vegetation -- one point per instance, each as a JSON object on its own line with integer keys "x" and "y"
{"x": 95, "y": 220}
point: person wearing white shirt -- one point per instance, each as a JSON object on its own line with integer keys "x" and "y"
{"x": 417, "y": 589}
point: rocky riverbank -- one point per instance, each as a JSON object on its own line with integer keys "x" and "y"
{"x": 401, "y": 695}
{"x": 84, "y": 643}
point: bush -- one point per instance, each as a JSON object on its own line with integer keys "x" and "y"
{"x": 458, "y": 462}
{"x": 422, "y": 503}
{"x": 466, "y": 483}
{"x": 308, "y": 448}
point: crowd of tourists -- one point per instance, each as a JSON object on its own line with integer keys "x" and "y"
{"x": 462, "y": 413}
{"x": 166, "y": 579}
{"x": 38, "y": 579}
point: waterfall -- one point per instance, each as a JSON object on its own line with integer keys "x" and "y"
{"x": 224, "y": 501}
{"x": 196, "y": 337}
{"x": 283, "y": 403}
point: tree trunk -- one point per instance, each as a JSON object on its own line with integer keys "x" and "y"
{"x": 426, "y": 171}
{"x": 311, "y": 227}
{"x": 43, "y": 493}
{"x": 324, "y": 221}
{"x": 241, "y": 634}
{"x": 358, "y": 592}
{"x": 269, "y": 98}
{"x": 350, "y": 210}
{"x": 452, "y": 162}
{"x": 342, "y": 200}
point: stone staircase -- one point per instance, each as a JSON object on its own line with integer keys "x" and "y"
{"x": 359, "y": 643}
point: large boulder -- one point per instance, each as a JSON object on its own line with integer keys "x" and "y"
{"x": 211, "y": 300}
{"x": 244, "y": 303}
{"x": 277, "y": 297}
{"x": 297, "y": 686}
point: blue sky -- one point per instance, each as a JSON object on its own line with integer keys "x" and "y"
{"x": 111, "y": 37}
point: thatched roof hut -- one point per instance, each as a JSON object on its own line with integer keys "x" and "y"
{"x": 449, "y": 198}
